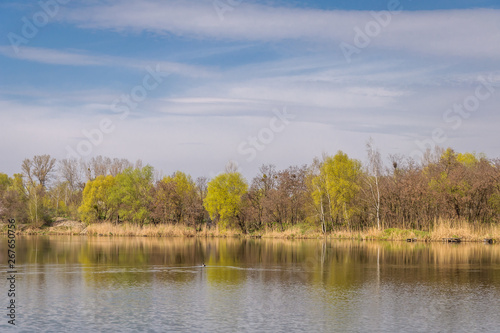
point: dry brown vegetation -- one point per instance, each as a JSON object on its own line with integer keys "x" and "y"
{"x": 443, "y": 229}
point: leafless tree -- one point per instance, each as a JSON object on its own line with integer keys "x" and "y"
{"x": 96, "y": 166}
{"x": 119, "y": 165}
{"x": 374, "y": 172}
{"x": 231, "y": 167}
{"x": 40, "y": 168}
{"x": 202, "y": 187}
{"x": 138, "y": 164}
{"x": 70, "y": 172}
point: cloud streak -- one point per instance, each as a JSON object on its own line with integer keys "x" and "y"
{"x": 79, "y": 58}
{"x": 468, "y": 33}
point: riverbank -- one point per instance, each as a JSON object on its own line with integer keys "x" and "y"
{"x": 464, "y": 231}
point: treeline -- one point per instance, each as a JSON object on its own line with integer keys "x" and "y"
{"x": 332, "y": 193}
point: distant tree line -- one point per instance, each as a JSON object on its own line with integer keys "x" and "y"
{"x": 332, "y": 193}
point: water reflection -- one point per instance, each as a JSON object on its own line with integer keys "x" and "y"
{"x": 257, "y": 285}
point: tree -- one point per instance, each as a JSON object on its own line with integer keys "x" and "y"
{"x": 465, "y": 183}
{"x": 223, "y": 200}
{"x": 37, "y": 173}
{"x": 316, "y": 183}
{"x": 258, "y": 195}
{"x": 68, "y": 189}
{"x": 373, "y": 175}
{"x": 13, "y": 199}
{"x": 285, "y": 200}
{"x": 181, "y": 192}
{"x": 131, "y": 193}
{"x": 342, "y": 183}
{"x": 96, "y": 166}
{"x": 162, "y": 203}
{"x": 118, "y": 166}
{"x": 201, "y": 190}
{"x": 5, "y": 184}
{"x": 41, "y": 168}
{"x": 96, "y": 201}
{"x": 70, "y": 173}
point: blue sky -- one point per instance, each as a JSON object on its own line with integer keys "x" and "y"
{"x": 250, "y": 81}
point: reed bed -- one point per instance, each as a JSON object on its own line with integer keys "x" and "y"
{"x": 126, "y": 229}
{"x": 467, "y": 232}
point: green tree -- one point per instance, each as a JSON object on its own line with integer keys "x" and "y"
{"x": 96, "y": 201}
{"x": 223, "y": 200}
{"x": 5, "y": 182}
{"x": 184, "y": 197}
{"x": 340, "y": 180}
{"x": 131, "y": 193}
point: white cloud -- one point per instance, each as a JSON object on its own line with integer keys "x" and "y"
{"x": 54, "y": 57}
{"x": 468, "y": 33}
{"x": 79, "y": 58}
{"x": 196, "y": 124}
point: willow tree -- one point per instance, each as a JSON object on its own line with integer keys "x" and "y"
{"x": 340, "y": 178}
{"x": 131, "y": 193}
{"x": 96, "y": 201}
{"x": 223, "y": 200}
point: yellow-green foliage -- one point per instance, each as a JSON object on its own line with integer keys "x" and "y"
{"x": 224, "y": 197}
{"x": 467, "y": 159}
{"x": 184, "y": 183}
{"x": 5, "y": 182}
{"x": 96, "y": 203}
{"x": 131, "y": 194}
{"x": 179, "y": 200}
{"x": 340, "y": 177}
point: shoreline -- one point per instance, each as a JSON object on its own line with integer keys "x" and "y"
{"x": 462, "y": 231}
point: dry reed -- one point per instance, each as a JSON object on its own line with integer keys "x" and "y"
{"x": 464, "y": 230}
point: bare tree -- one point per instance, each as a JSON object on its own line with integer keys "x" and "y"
{"x": 96, "y": 166}
{"x": 138, "y": 164}
{"x": 119, "y": 165}
{"x": 41, "y": 168}
{"x": 202, "y": 187}
{"x": 374, "y": 169}
{"x": 27, "y": 167}
{"x": 70, "y": 172}
{"x": 231, "y": 167}
{"x": 316, "y": 190}
{"x": 100, "y": 165}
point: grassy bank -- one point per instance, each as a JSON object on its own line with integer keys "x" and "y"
{"x": 465, "y": 231}
{"x": 108, "y": 229}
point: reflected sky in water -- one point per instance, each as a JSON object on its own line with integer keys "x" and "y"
{"x": 144, "y": 284}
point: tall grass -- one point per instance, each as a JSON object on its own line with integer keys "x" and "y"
{"x": 126, "y": 229}
{"x": 468, "y": 232}
{"x": 465, "y": 230}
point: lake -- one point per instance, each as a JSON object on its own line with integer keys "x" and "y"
{"x": 78, "y": 283}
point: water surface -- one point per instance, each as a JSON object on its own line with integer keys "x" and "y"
{"x": 158, "y": 285}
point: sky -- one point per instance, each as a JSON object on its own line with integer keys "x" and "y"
{"x": 192, "y": 85}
